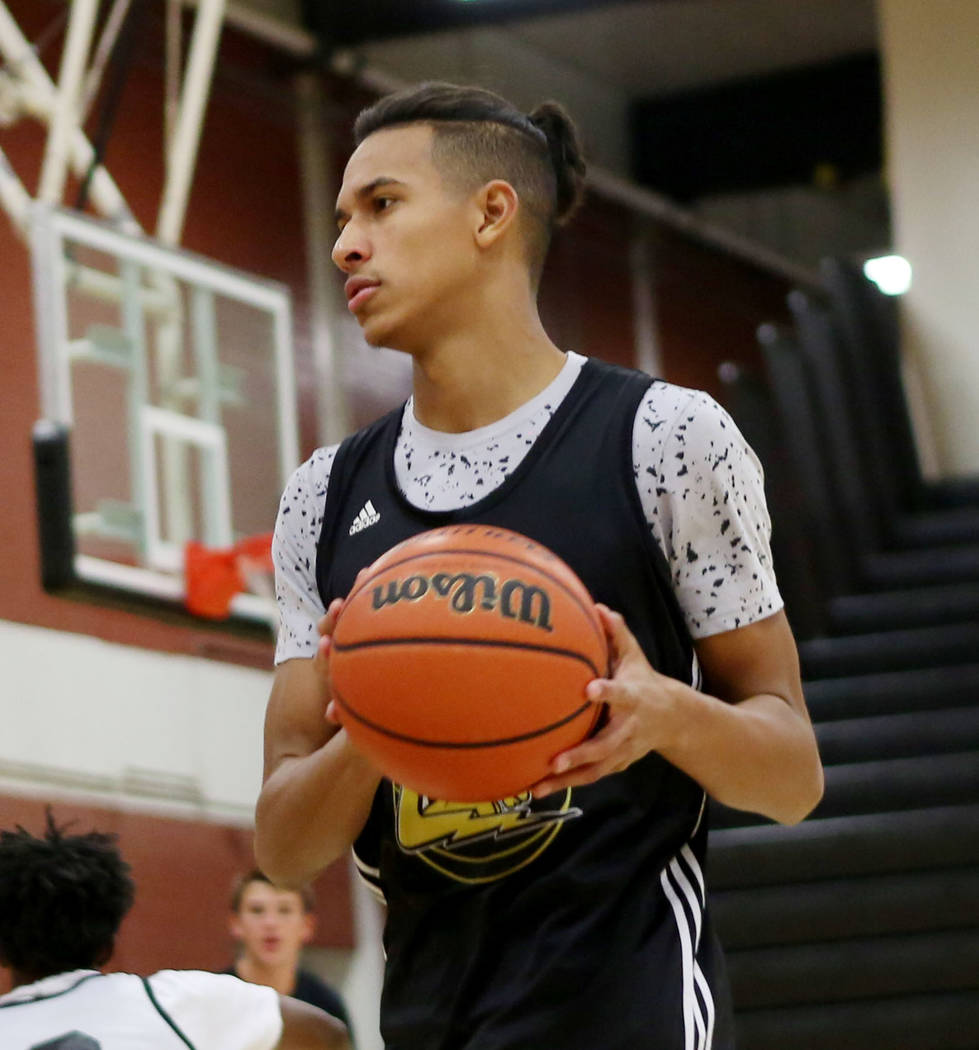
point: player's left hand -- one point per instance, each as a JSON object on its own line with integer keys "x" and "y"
{"x": 643, "y": 707}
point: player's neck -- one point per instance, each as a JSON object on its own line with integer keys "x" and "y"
{"x": 281, "y": 977}
{"x": 19, "y": 978}
{"x": 474, "y": 377}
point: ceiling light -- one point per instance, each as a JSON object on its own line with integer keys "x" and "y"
{"x": 891, "y": 273}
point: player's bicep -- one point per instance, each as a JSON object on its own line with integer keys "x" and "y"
{"x": 758, "y": 659}
{"x": 711, "y": 519}
{"x": 294, "y": 554}
{"x": 295, "y": 720}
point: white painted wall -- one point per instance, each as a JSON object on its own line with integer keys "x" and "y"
{"x": 129, "y": 723}
{"x": 931, "y": 87}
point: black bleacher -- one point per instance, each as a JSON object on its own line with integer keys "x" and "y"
{"x": 859, "y": 928}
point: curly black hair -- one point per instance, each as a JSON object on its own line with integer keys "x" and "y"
{"x": 62, "y": 899}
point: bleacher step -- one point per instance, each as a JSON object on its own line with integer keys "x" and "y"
{"x": 893, "y": 692}
{"x": 909, "y": 735}
{"x": 894, "y": 610}
{"x": 857, "y": 968}
{"x": 837, "y": 847}
{"x": 910, "y": 649}
{"x": 881, "y": 786}
{"x": 946, "y": 1021}
{"x": 834, "y": 909}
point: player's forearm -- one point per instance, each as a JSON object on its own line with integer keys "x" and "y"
{"x": 758, "y": 755}
{"x": 311, "y": 810}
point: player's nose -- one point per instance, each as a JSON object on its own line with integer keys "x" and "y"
{"x": 350, "y": 249}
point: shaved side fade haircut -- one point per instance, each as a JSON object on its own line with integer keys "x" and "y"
{"x": 480, "y": 136}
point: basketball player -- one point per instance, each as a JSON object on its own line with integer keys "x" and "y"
{"x": 573, "y": 915}
{"x": 271, "y": 925}
{"x": 62, "y": 900}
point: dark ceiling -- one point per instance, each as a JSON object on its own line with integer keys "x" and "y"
{"x": 346, "y": 24}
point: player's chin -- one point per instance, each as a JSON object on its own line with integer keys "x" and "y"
{"x": 376, "y": 331}
{"x": 391, "y": 331}
{"x": 372, "y": 335}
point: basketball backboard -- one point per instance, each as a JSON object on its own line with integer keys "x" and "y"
{"x": 173, "y": 376}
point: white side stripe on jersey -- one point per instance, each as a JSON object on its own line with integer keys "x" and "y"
{"x": 708, "y": 1001}
{"x": 696, "y": 828}
{"x": 371, "y": 877}
{"x": 365, "y": 869}
{"x": 683, "y": 884}
{"x": 687, "y": 854}
{"x": 375, "y": 890}
{"x": 698, "y": 1002}
{"x": 696, "y": 674}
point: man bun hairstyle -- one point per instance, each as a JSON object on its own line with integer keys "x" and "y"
{"x": 62, "y": 899}
{"x": 480, "y": 136}
{"x": 566, "y": 157}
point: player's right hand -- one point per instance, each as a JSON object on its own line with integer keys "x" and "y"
{"x": 321, "y": 661}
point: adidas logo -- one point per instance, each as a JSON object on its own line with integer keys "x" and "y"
{"x": 368, "y": 516}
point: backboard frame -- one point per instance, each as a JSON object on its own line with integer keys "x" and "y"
{"x": 148, "y": 273}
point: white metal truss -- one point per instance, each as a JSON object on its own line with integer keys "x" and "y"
{"x": 184, "y": 420}
{"x": 64, "y": 120}
{"x": 26, "y": 89}
{"x": 182, "y": 150}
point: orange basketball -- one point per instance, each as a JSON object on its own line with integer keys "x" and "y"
{"x": 460, "y": 660}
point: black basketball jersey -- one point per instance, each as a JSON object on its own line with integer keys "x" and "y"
{"x": 577, "y": 921}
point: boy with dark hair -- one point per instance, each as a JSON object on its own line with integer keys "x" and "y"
{"x": 479, "y": 137}
{"x": 62, "y": 900}
{"x": 271, "y": 926}
{"x": 573, "y": 915}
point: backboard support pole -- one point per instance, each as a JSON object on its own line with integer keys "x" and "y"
{"x": 182, "y": 157}
{"x": 74, "y": 57}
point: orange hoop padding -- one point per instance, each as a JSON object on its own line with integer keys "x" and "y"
{"x": 215, "y": 575}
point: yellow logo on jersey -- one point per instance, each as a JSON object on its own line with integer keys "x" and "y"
{"x": 478, "y": 841}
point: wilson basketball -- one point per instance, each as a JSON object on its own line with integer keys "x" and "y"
{"x": 460, "y": 660}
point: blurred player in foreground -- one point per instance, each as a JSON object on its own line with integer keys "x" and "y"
{"x": 62, "y": 900}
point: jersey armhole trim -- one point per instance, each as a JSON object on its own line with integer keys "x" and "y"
{"x": 166, "y": 1017}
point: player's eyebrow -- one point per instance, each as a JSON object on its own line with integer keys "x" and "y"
{"x": 366, "y": 190}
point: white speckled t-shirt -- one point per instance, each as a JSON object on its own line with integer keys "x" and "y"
{"x": 700, "y": 485}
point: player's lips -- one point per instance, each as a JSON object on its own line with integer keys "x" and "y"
{"x": 359, "y": 290}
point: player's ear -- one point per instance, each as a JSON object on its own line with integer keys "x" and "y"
{"x": 234, "y": 926}
{"x": 498, "y": 204}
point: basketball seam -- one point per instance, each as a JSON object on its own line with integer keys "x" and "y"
{"x": 459, "y": 745}
{"x": 492, "y": 643}
{"x": 589, "y": 613}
